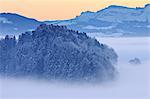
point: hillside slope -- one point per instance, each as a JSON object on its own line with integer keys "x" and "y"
{"x": 55, "y": 52}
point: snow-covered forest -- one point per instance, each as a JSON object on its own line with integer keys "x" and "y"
{"x": 55, "y": 52}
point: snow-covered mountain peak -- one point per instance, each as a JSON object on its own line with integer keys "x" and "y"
{"x": 85, "y": 16}
{"x": 147, "y": 12}
{"x": 116, "y": 13}
{"x": 119, "y": 14}
{"x": 147, "y": 5}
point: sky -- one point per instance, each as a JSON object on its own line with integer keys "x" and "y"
{"x": 61, "y": 9}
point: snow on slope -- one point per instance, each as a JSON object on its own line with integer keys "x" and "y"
{"x": 115, "y": 13}
{"x": 112, "y": 20}
{"x": 4, "y": 20}
{"x": 15, "y": 24}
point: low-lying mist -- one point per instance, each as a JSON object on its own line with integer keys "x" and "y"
{"x": 132, "y": 83}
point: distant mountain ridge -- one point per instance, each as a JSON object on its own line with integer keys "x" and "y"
{"x": 14, "y": 24}
{"x": 111, "y": 21}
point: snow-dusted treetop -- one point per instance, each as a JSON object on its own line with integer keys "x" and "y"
{"x": 55, "y": 52}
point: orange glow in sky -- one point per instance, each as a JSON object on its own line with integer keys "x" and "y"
{"x": 61, "y": 9}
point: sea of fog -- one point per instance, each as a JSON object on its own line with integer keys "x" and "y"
{"x": 133, "y": 81}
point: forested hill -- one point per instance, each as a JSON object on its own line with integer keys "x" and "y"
{"x": 55, "y": 52}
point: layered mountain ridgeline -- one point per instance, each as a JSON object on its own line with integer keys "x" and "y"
{"x": 110, "y": 21}
{"x": 55, "y": 52}
{"x": 14, "y": 24}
